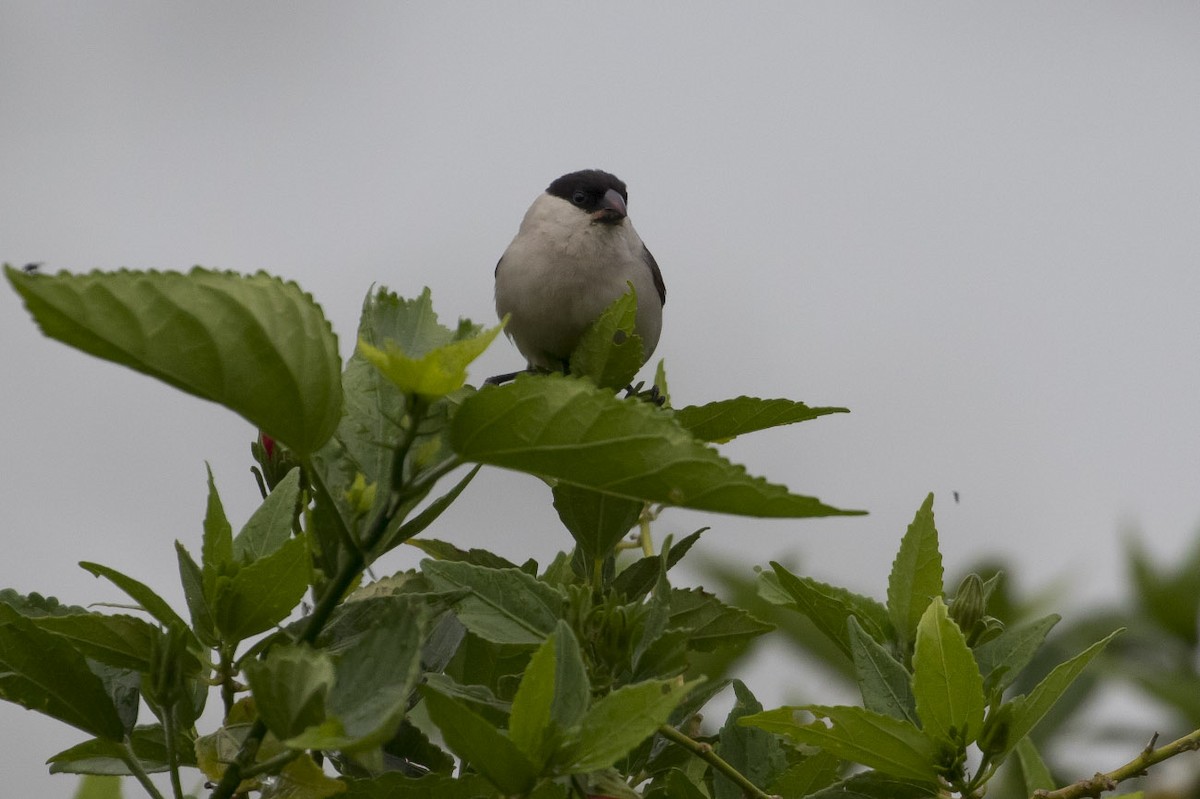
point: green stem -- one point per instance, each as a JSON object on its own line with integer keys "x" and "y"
{"x": 242, "y": 764}
{"x": 168, "y": 721}
{"x": 705, "y": 752}
{"x": 1094, "y": 786}
{"x": 271, "y": 763}
{"x": 138, "y": 770}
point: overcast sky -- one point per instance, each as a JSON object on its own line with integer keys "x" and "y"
{"x": 977, "y": 227}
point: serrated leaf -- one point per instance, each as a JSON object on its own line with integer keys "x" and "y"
{"x": 254, "y": 344}
{"x": 552, "y": 697}
{"x": 808, "y": 776}
{"x": 505, "y": 606}
{"x": 191, "y": 577}
{"x": 374, "y": 680}
{"x": 139, "y": 592}
{"x": 829, "y": 607}
{"x": 609, "y": 352}
{"x": 289, "y": 688}
{"x": 1011, "y": 651}
{"x": 727, "y": 419}
{"x": 916, "y": 575}
{"x": 755, "y": 753}
{"x": 433, "y": 374}
{"x": 885, "y": 684}
{"x": 874, "y": 740}
{"x": 118, "y": 640}
{"x": 1028, "y": 710}
{"x": 570, "y": 430}
{"x": 947, "y": 685}
{"x": 474, "y": 739}
{"x": 216, "y": 551}
{"x": 709, "y": 622}
{"x": 39, "y": 671}
{"x": 270, "y": 526}
{"x": 596, "y": 521}
{"x": 263, "y": 593}
{"x": 621, "y": 720}
{"x": 444, "y": 550}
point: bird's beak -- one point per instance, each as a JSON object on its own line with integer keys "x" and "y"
{"x": 612, "y": 208}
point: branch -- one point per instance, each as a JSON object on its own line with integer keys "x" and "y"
{"x": 1137, "y": 767}
{"x": 705, "y": 752}
{"x": 355, "y": 562}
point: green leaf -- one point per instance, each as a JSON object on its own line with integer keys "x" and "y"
{"x": 880, "y": 742}
{"x": 609, "y": 352}
{"x": 1028, "y": 710}
{"x": 437, "y": 372}
{"x": 263, "y": 593}
{"x": 755, "y": 753}
{"x": 42, "y": 672}
{"x": 98, "y": 756}
{"x": 476, "y": 741}
{"x": 552, "y": 697}
{"x": 444, "y": 550}
{"x": 709, "y": 622}
{"x": 118, "y": 640}
{"x": 916, "y": 576}
{"x": 254, "y": 344}
{"x": 151, "y": 602}
{"x": 1035, "y": 776}
{"x": 947, "y": 685}
{"x": 1002, "y": 658}
{"x": 505, "y": 606}
{"x": 417, "y": 524}
{"x": 570, "y": 430}
{"x": 674, "y": 784}
{"x": 885, "y": 684}
{"x": 216, "y": 552}
{"x": 192, "y": 579}
{"x": 596, "y": 521}
{"x": 374, "y": 680}
{"x": 270, "y": 527}
{"x": 727, "y": 419}
{"x": 621, "y": 720}
{"x": 808, "y": 776}
{"x": 828, "y": 606}
{"x": 289, "y": 688}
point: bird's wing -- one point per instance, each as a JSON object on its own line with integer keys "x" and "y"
{"x": 654, "y": 273}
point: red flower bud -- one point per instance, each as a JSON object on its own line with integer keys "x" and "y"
{"x": 268, "y": 444}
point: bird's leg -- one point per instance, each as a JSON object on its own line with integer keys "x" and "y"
{"x": 650, "y": 395}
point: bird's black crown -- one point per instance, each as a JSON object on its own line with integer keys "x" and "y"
{"x": 586, "y": 189}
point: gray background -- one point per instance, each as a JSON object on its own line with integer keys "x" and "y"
{"x": 976, "y": 226}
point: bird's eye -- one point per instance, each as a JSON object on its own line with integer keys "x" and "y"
{"x": 579, "y": 198}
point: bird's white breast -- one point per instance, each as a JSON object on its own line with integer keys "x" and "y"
{"x": 560, "y": 273}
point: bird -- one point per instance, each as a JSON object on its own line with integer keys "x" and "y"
{"x": 575, "y": 253}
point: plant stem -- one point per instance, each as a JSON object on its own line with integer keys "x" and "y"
{"x": 172, "y": 753}
{"x": 706, "y": 753}
{"x": 241, "y": 766}
{"x": 1137, "y": 767}
{"x": 138, "y": 771}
